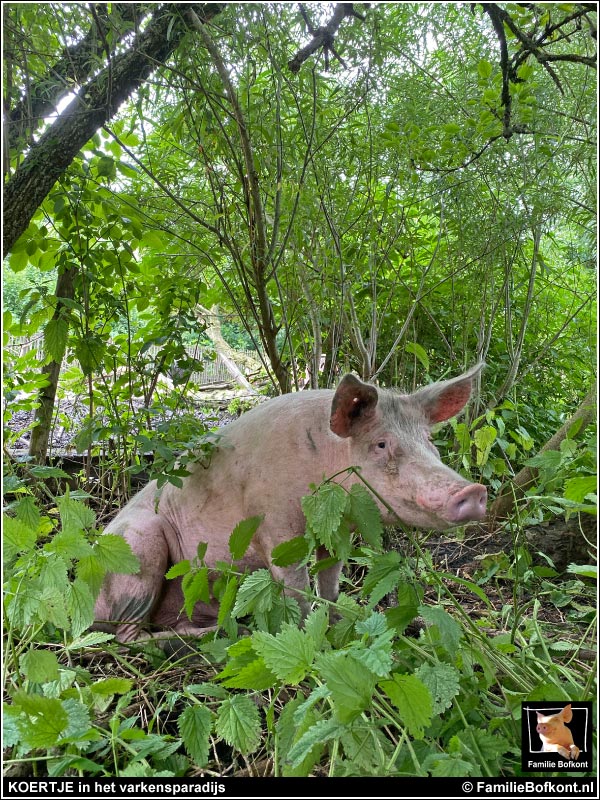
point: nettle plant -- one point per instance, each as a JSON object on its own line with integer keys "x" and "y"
{"x": 345, "y": 693}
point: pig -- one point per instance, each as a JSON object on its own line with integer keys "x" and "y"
{"x": 263, "y": 464}
{"x": 555, "y": 736}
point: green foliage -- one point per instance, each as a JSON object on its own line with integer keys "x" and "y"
{"x": 408, "y": 224}
{"x": 348, "y": 694}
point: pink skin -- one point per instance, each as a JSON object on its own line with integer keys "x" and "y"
{"x": 264, "y": 464}
{"x": 555, "y": 736}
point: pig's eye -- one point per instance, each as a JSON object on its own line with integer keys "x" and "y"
{"x": 382, "y": 445}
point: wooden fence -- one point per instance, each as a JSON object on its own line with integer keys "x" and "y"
{"x": 214, "y": 370}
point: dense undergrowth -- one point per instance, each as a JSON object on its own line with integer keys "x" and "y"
{"x": 421, "y": 672}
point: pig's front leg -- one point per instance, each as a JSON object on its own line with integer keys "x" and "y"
{"x": 328, "y": 581}
{"x": 126, "y": 602}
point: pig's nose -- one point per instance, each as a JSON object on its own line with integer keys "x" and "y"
{"x": 468, "y": 504}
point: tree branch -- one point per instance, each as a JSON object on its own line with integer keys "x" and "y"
{"x": 324, "y": 36}
{"x": 73, "y": 67}
{"x": 492, "y": 11}
{"x": 94, "y": 105}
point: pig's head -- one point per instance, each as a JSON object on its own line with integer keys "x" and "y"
{"x": 389, "y": 439}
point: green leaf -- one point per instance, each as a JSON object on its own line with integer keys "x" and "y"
{"x": 484, "y": 68}
{"x": 80, "y": 605}
{"x": 10, "y": 729}
{"x": 90, "y": 640}
{"x": 443, "y": 765}
{"x": 56, "y": 333}
{"x": 451, "y": 129}
{"x": 255, "y": 594}
{"x": 350, "y": 682}
{"x": 255, "y": 676}
{"x": 383, "y": 576}
{"x": 376, "y": 653}
{"x": 79, "y": 726}
{"x": 69, "y": 544}
{"x": 577, "y": 489}
{"x": 548, "y": 459}
{"x": 365, "y": 514}
{"x": 290, "y": 552}
{"x": 374, "y": 625}
{"x": 90, "y": 353}
{"x": 320, "y": 693}
{"x": 115, "y": 555}
{"x": 317, "y": 734}
{"x": 58, "y": 767}
{"x": 473, "y": 587}
{"x": 90, "y": 570}
{"x": 75, "y": 516}
{"x": 194, "y": 725}
{"x": 244, "y": 669}
{"x": 586, "y": 570}
{"x": 449, "y": 630}
{"x": 47, "y": 720}
{"x": 481, "y": 746}
{"x": 365, "y": 748}
{"x": 443, "y": 683}
{"x": 412, "y": 699}
{"x": 413, "y": 347}
{"x": 196, "y": 589}
{"x": 324, "y": 510}
{"x": 484, "y": 439}
{"x": 227, "y": 600}
{"x": 27, "y": 512}
{"x": 49, "y": 472}
{"x": 106, "y": 167}
{"x": 316, "y": 625}
{"x": 16, "y": 537}
{"x": 287, "y": 732}
{"x": 242, "y": 535}
{"x": 207, "y": 690}
{"x": 109, "y": 686}
{"x": 39, "y": 666}
{"x": 238, "y": 722}
{"x": 178, "y": 569}
{"x": 289, "y": 654}
{"x": 410, "y": 597}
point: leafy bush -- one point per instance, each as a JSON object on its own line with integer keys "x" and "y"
{"x": 357, "y": 697}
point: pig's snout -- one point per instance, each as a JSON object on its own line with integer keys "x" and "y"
{"x": 468, "y": 504}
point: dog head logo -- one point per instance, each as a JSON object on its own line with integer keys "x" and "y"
{"x": 555, "y": 736}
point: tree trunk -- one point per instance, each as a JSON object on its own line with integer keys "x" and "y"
{"x": 40, "y": 434}
{"x": 505, "y": 502}
{"x": 94, "y": 105}
{"x": 259, "y": 273}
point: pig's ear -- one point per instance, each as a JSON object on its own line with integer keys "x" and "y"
{"x": 353, "y": 401}
{"x": 539, "y": 716}
{"x": 445, "y": 399}
{"x": 567, "y": 713}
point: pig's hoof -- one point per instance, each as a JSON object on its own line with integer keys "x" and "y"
{"x": 574, "y": 752}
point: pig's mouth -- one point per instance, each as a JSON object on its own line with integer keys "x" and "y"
{"x": 467, "y": 504}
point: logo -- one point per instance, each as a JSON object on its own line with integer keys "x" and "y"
{"x": 556, "y": 736}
